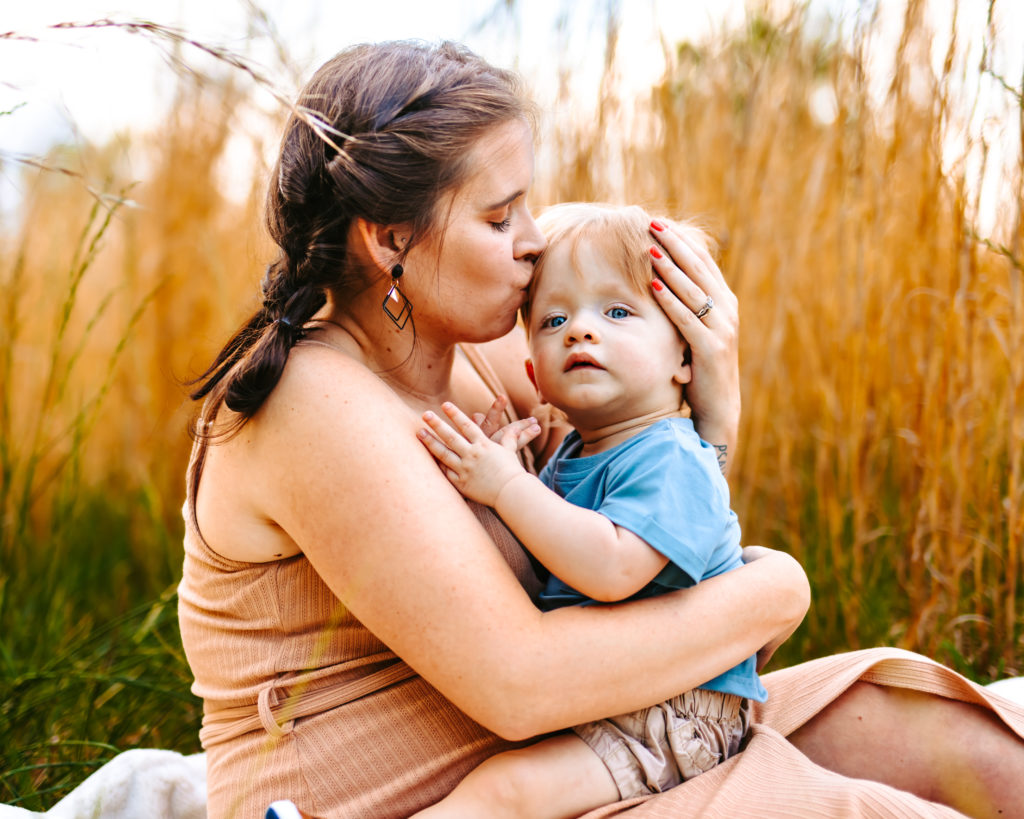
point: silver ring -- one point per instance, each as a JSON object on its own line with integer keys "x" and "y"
{"x": 706, "y": 308}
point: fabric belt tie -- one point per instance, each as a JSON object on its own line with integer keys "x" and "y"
{"x": 276, "y": 714}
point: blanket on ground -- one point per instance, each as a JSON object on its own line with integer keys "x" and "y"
{"x": 144, "y": 782}
{"x": 149, "y": 782}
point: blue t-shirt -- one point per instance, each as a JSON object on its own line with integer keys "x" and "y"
{"x": 664, "y": 485}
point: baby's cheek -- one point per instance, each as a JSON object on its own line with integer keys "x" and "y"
{"x": 546, "y": 377}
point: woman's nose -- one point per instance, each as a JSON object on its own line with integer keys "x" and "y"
{"x": 531, "y": 241}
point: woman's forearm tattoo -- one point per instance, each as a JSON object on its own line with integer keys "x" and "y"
{"x": 722, "y": 450}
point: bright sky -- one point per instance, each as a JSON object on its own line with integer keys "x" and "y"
{"x": 98, "y": 83}
{"x": 103, "y": 81}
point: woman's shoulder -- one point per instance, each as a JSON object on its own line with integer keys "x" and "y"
{"x": 320, "y": 375}
{"x": 327, "y": 408}
{"x": 329, "y": 404}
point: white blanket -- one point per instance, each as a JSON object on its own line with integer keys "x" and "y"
{"x": 150, "y": 783}
{"x": 135, "y": 784}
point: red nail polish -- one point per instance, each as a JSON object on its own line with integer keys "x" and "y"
{"x": 656, "y": 253}
{"x": 657, "y": 285}
{"x": 657, "y": 226}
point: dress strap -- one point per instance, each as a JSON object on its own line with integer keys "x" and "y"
{"x": 486, "y": 373}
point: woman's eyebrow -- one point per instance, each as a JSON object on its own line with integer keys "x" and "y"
{"x": 505, "y": 201}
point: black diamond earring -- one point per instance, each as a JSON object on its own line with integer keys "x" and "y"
{"x": 403, "y": 305}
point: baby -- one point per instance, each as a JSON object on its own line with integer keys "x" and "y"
{"x": 639, "y": 507}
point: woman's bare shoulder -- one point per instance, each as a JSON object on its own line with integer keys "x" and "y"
{"x": 320, "y": 374}
{"x": 320, "y": 392}
{"x": 338, "y": 445}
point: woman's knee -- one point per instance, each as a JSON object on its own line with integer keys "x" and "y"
{"x": 932, "y": 746}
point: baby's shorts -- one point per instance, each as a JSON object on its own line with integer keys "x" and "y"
{"x": 656, "y": 748}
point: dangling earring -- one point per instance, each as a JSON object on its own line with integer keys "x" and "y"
{"x": 401, "y": 316}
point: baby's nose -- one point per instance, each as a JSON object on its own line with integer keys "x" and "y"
{"x": 580, "y": 331}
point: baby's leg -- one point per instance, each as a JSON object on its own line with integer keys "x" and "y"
{"x": 557, "y": 778}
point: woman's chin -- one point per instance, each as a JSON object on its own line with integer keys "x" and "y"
{"x": 493, "y": 329}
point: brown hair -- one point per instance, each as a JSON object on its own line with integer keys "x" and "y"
{"x": 620, "y": 232}
{"x": 380, "y": 132}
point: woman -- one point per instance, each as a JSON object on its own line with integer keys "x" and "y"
{"x": 323, "y": 544}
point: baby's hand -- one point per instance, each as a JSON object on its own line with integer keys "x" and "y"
{"x": 491, "y": 422}
{"x": 477, "y": 466}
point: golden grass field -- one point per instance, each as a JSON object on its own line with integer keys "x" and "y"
{"x": 882, "y": 338}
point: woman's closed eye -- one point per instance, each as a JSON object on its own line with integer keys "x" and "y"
{"x": 503, "y": 225}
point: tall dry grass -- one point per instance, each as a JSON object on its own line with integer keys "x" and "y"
{"x": 882, "y": 358}
{"x": 882, "y": 335}
{"x": 112, "y": 290}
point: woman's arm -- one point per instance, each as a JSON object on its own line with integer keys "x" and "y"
{"x": 692, "y": 278}
{"x": 764, "y": 655}
{"x": 364, "y": 500}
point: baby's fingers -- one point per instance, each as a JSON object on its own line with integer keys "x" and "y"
{"x": 518, "y": 434}
{"x": 491, "y": 422}
{"x": 444, "y": 435}
{"x": 470, "y": 430}
{"x": 436, "y": 447}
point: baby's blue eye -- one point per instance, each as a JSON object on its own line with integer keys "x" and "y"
{"x": 618, "y": 312}
{"x": 554, "y": 321}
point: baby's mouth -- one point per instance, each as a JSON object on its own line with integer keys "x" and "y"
{"x": 580, "y": 361}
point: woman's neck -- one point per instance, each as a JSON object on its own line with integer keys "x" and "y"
{"x": 414, "y": 365}
{"x": 601, "y": 438}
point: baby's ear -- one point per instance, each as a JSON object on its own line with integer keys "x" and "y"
{"x": 529, "y": 373}
{"x": 684, "y": 372}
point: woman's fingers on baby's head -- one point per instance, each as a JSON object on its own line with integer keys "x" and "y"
{"x": 679, "y": 312}
{"x": 679, "y": 269}
{"x": 687, "y": 257}
{"x": 677, "y": 293}
{"x": 697, "y": 242}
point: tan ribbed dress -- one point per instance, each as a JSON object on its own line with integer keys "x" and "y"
{"x": 302, "y": 702}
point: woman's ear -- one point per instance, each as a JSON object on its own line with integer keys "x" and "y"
{"x": 384, "y": 243}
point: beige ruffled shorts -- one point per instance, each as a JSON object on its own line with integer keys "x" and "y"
{"x": 656, "y": 748}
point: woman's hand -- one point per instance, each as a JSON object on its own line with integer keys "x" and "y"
{"x": 701, "y": 305}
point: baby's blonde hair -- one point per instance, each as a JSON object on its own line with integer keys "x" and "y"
{"x": 620, "y": 232}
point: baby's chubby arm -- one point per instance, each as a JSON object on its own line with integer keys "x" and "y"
{"x": 580, "y": 546}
